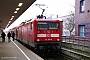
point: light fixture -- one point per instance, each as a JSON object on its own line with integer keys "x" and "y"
{"x": 9, "y": 21}
{"x": 11, "y": 18}
{"x": 8, "y": 24}
{"x": 20, "y": 4}
{"x": 15, "y": 12}
{"x": 17, "y": 9}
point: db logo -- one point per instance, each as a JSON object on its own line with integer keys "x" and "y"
{"x": 48, "y": 35}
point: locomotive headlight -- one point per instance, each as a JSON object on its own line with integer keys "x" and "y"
{"x": 38, "y": 39}
{"x": 38, "y": 31}
{"x": 58, "y": 39}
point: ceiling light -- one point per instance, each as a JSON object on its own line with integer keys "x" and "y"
{"x": 20, "y": 4}
{"x": 12, "y": 16}
{"x": 7, "y": 24}
{"x": 17, "y": 9}
{"x": 9, "y": 21}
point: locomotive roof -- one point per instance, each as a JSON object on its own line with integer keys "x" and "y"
{"x": 46, "y": 19}
{"x": 39, "y": 20}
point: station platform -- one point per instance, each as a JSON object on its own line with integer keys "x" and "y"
{"x": 16, "y": 51}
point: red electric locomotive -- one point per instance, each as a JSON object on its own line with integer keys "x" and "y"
{"x": 41, "y": 34}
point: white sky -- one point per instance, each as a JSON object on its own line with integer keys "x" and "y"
{"x": 57, "y": 7}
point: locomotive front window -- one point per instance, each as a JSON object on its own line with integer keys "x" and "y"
{"x": 53, "y": 26}
{"x": 47, "y": 25}
{"x": 42, "y": 25}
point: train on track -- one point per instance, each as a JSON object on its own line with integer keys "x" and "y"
{"x": 41, "y": 34}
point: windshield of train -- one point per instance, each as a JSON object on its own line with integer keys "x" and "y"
{"x": 47, "y": 25}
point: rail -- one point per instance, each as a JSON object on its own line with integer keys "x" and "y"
{"x": 76, "y": 46}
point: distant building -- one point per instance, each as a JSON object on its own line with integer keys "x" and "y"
{"x": 82, "y": 18}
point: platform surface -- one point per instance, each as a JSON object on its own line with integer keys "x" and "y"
{"x": 16, "y": 51}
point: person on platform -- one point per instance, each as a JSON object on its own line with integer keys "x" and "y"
{"x": 9, "y": 35}
{"x": 3, "y": 36}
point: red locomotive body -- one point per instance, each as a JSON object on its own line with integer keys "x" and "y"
{"x": 41, "y": 34}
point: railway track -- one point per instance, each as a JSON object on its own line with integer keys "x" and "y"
{"x": 54, "y": 56}
{"x": 51, "y": 55}
{"x": 58, "y": 56}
